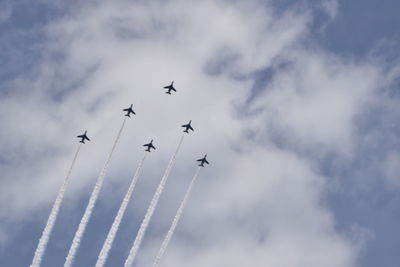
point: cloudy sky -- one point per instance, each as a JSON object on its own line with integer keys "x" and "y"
{"x": 296, "y": 103}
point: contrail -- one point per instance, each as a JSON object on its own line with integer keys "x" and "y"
{"x": 150, "y": 210}
{"x": 101, "y": 260}
{"x": 37, "y": 259}
{"x": 89, "y": 208}
{"x": 171, "y": 230}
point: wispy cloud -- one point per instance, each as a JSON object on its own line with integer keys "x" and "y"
{"x": 5, "y": 11}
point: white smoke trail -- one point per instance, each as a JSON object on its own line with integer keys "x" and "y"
{"x": 89, "y": 208}
{"x": 37, "y": 258}
{"x": 101, "y": 260}
{"x": 150, "y": 210}
{"x": 171, "y": 230}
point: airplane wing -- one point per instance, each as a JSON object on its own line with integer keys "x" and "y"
{"x": 166, "y": 87}
{"x": 87, "y": 138}
{"x": 80, "y": 136}
{"x": 190, "y": 127}
{"x": 173, "y": 89}
{"x": 153, "y": 147}
{"x": 200, "y": 160}
{"x": 206, "y": 161}
{"x": 126, "y": 109}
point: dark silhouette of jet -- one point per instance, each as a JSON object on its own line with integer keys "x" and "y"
{"x": 129, "y": 111}
{"x": 187, "y": 127}
{"x": 149, "y": 146}
{"x": 170, "y": 88}
{"x": 203, "y": 160}
{"x": 83, "y": 138}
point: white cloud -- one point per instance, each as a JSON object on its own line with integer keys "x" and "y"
{"x": 314, "y": 100}
{"x": 262, "y": 216}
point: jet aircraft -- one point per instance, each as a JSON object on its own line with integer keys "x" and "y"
{"x": 202, "y": 161}
{"x": 170, "y": 88}
{"x": 149, "y": 146}
{"x": 83, "y": 138}
{"x": 187, "y": 127}
{"x": 129, "y": 111}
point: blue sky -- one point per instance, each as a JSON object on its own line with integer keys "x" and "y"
{"x": 295, "y": 101}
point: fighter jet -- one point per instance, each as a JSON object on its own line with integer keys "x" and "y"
{"x": 149, "y": 146}
{"x": 202, "y": 161}
{"x": 129, "y": 111}
{"x": 83, "y": 137}
{"x": 188, "y": 127}
{"x": 170, "y": 88}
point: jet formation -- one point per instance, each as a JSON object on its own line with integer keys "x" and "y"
{"x": 188, "y": 127}
{"x": 38, "y": 256}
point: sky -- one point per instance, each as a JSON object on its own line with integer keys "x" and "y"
{"x": 296, "y": 104}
